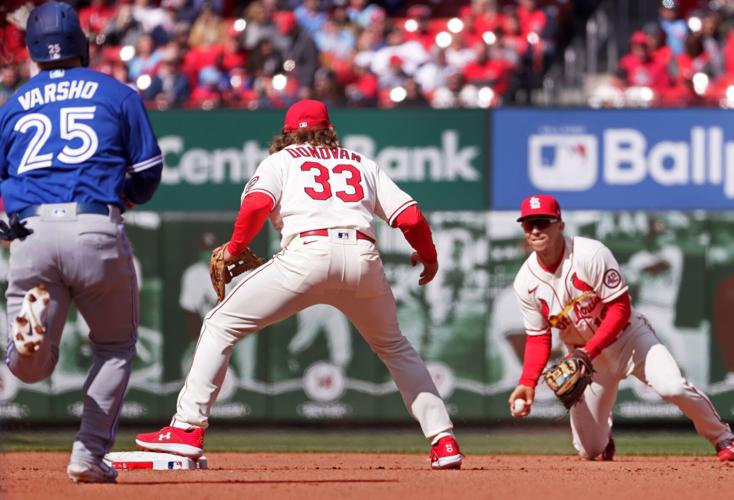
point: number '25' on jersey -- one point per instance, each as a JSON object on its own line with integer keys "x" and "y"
{"x": 71, "y": 135}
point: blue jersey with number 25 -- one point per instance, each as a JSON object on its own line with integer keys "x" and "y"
{"x": 71, "y": 135}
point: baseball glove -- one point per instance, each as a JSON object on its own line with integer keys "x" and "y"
{"x": 569, "y": 378}
{"x": 222, "y": 273}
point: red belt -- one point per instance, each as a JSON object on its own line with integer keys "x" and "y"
{"x": 325, "y": 232}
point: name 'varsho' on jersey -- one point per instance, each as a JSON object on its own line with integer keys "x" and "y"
{"x": 73, "y": 134}
{"x": 317, "y": 187}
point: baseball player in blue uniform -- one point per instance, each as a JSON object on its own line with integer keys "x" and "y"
{"x": 76, "y": 149}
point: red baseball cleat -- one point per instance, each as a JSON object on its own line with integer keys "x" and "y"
{"x": 725, "y": 450}
{"x": 184, "y": 442}
{"x": 445, "y": 454}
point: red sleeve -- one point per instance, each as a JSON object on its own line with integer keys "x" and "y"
{"x": 254, "y": 212}
{"x": 416, "y": 230}
{"x": 537, "y": 354}
{"x": 615, "y": 320}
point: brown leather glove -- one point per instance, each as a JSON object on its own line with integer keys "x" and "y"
{"x": 222, "y": 273}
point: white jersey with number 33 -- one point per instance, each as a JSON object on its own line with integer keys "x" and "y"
{"x": 320, "y": 188}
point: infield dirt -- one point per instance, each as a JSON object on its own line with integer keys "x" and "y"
{"x": 36, "y": 475}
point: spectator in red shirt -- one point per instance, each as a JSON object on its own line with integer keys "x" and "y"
{"x": 512, "y": 39}
{"x": 693, "y": 60}
{"x": 232, "y": 55}
{"x": 532, "y": 19}
{"x": 639, "y": 68}
{"x": 209, "y": 93}
{"x": 362, "y": 92}
{"x": 656, "y": 40}
{"x": 728, "y": 52}
{"x": 485, "y": 71}
{"x": 487, "y": 16}
{"x": 417, "y": 17}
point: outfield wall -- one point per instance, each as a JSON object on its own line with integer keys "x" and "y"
{"x": 653, "y": 185}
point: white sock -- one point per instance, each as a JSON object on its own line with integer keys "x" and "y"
{"x": 441, "y": 435}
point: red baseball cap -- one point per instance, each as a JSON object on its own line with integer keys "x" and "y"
{"x": 539, "y": 206}
{"x": 306, "y": 114}
{"x": 638, "y": 37}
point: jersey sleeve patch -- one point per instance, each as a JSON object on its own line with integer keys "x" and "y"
{"x": 612, "y": 278}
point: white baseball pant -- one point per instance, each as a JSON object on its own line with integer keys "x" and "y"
{"x": 338, "y": 270}
{"x": 641, "y": 354}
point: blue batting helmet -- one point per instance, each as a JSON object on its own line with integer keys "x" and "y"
{"x": 53, "y": 33}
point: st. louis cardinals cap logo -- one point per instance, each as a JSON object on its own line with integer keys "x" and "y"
{"x": 534, "y": 203}
{"x": 612, "y": 278}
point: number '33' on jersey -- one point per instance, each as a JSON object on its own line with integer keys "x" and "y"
{"x": 317, "y": 187}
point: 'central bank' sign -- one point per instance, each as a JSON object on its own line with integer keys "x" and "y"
{"x": 438, "y": 157}
{"x": 631, "y": 159}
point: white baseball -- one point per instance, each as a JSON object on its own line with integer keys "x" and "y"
{"x": 518, "y": 405}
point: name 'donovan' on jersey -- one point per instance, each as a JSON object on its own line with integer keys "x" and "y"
{"x": 449, "y": 162}
{"x": 57, "y": 91}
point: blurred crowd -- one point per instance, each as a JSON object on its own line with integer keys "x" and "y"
{"x": 685, "y": 58}
{"x": 205, "y": 54}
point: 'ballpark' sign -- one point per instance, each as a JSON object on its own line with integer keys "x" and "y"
{"x": 614, "y": 159}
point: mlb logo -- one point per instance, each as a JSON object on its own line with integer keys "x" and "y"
{"x": 563, "y": 162}
{"x": 302, "y": 124}
{"x": 342, "y": 235}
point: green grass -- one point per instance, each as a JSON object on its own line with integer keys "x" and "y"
{"x": 473, "y": 442}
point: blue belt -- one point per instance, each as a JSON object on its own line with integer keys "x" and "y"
{"x": 81, "y": 208}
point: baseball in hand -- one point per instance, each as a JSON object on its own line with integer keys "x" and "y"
{"x": 518, "y": 405}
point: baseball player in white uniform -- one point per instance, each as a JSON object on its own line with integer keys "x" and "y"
{"x": 323, "y": 199}
{"x": 574, "y": 286}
